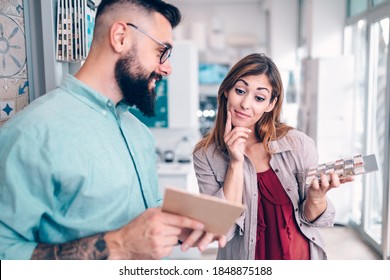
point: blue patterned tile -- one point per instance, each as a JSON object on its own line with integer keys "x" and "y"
{"x": 12, "y": 7}
{"x": 7, "y": 109}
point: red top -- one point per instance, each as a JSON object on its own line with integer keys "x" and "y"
{"x": 278, "y": 236}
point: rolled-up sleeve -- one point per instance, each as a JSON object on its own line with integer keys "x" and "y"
{"x": 24, "y": 169}
{"x": 206, "y": 178}
{"x": 326, "y": 219}
{"x": 211, "y": 183}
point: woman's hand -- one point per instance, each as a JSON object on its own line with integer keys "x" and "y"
{"x": 235, "y": 139}
{"x": 317, "y": 191}
{"x": 316, "y": 194}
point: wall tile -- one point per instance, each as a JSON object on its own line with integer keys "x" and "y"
{"x": 13, "y": 59}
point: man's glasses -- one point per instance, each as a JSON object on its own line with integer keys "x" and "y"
{"x": 167, "y": 51}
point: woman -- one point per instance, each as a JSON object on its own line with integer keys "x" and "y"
{"x": 251, "y": 157}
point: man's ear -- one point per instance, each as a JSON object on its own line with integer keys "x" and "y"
{"x": 119, "y": 37}
{"x": 271, "y": 105}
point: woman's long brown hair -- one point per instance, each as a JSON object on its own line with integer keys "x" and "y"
{"x": 269, "y": 127}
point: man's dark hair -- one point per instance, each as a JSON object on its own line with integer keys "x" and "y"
{"x": 170, "y": 12}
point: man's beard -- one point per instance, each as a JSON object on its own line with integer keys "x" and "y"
{"x": 134, "y": 83}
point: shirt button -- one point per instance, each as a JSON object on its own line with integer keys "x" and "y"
{"x": 300, "y": 224}
{"x": 313, "y": 238}
{"x": 288, "y": 189}
{"x": 276, "y": 170}
{"x": 296, "y": 209}
{"x": 104, "y": 113}
{"x": 109, "y": 104}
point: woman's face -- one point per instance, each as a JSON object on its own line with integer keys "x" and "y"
{"x": 249, "y": 99}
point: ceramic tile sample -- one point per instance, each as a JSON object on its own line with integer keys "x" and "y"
{"x": 345, "y": 167}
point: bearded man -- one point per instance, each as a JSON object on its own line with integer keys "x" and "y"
{"x": 78, "y": 170}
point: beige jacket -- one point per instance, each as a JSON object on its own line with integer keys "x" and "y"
{"x": 292, "y": 155}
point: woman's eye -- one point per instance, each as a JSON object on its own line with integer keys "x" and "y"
{"x": 240, "y": 91}
{"x": 259, "y": 98}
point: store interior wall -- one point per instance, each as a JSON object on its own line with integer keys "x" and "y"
{"x": 223, "y": 32}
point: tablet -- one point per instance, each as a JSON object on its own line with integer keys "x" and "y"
{"x": 216, "y": 214}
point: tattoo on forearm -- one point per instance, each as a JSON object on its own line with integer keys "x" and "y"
{"x": 89, "y": 248}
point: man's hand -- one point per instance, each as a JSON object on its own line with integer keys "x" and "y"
{"x": 152, "y": 235}
{"x": 200, "y": 239}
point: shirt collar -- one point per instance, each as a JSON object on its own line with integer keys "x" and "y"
{"x": 280, "y": 145}
{"x": 88, "y": 95}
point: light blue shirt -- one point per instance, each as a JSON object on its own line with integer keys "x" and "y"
{"x": 72, "y": 165}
